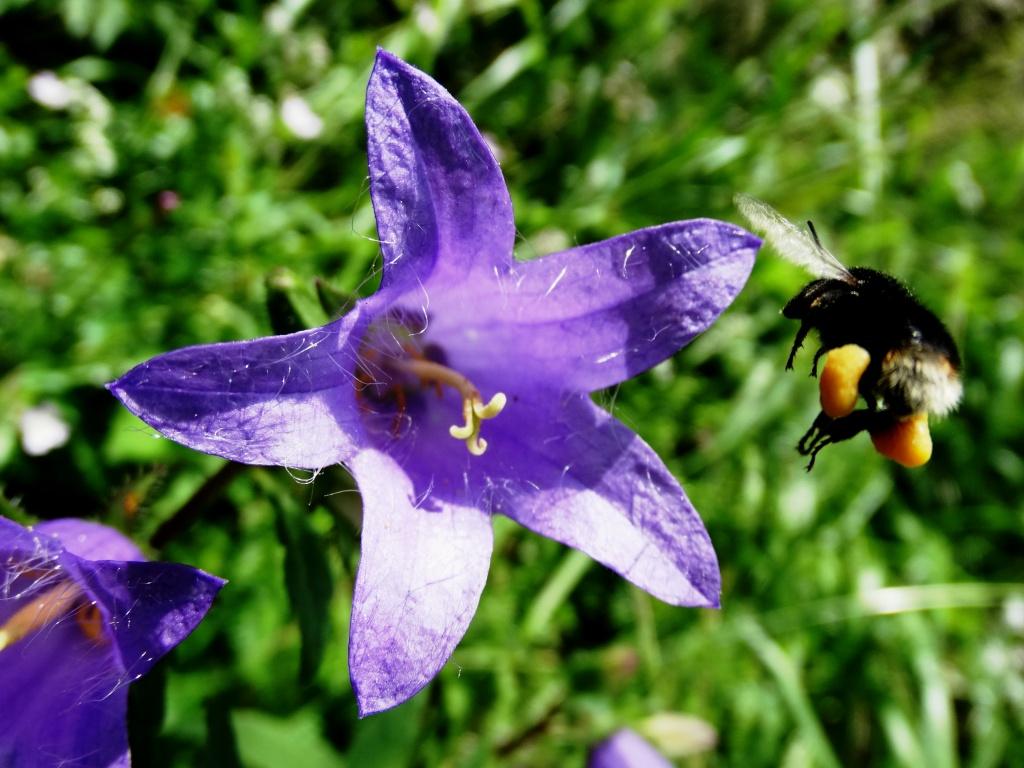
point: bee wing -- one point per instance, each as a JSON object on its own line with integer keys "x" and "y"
{"x": 790, "y": 241}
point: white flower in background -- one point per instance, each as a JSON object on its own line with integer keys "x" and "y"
{"x": 278, "y": 19}
{"x": 43, "y": 429}
{"x": 47, "y": 89}
{"x": 300, "y": 118}
{"x": 91, "y": 115}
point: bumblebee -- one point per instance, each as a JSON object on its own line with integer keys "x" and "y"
{"x": 879, "y": 343}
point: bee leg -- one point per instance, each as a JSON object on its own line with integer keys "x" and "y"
{"x": 816, "y": 438}
{"x": 817, "y": 432}
{"x": 798, "y": 342}
{"x": 821, "y": 442}
{"x": 825, "y": 431}
{"x": 814, "y": 363}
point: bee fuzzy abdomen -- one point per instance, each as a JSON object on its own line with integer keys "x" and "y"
{"x": 914, "y": 380}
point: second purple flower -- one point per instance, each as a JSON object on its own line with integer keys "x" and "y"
{"x": 82, "y": 616}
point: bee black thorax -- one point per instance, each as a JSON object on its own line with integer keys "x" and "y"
{"x": 914, "y": 364}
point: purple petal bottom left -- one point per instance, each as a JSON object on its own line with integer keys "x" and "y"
{"x": 64, "y": 702}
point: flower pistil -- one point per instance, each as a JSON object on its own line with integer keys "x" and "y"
{"x": 474, "y": 410}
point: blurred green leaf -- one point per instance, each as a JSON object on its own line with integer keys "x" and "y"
{"x": 265, "y": 741}
{"x": 334, "y": 302}
{"x": 221, "y": 748}
{"x": 389, "y": 739}
{"x": 291, "y": 305}
{"x": 307, "y": 577}
{"x": 146, "y": 705}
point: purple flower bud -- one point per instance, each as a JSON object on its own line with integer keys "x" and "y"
{"x": 626, "y": 749}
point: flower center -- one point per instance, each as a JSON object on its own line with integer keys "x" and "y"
{"x": 48, "y": 608}
{"x": 387, "y": 365}
{"x": 474, "y": 410}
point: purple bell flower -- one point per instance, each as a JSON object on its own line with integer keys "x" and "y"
{"x": 462, "y": 341}
{"x": 626, "y": 749}
{"x": 82, "y": 616}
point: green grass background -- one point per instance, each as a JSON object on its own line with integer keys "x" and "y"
{"x": 871, "y": 614}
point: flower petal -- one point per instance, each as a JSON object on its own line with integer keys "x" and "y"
{"x": 626, "y": 749}
{"x": 29, "y": 564}
{"x": 594, "y": 316}
{"x": 283, "y": 400}
{"x": 568, "y": 470}
{"x": 64, "y": 702}
{"x": 149, "y": 607}
{"x": 441, "y": 203}
{"x": 421, "y": 573}
{"x": 91, "y": 541}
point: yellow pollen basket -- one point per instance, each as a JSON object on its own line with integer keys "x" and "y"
{"x": 474, "y": 410}
{"x": 48, "y": 608}
{"x": 839, "y": 379}
{"x": 907, "y": 442}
